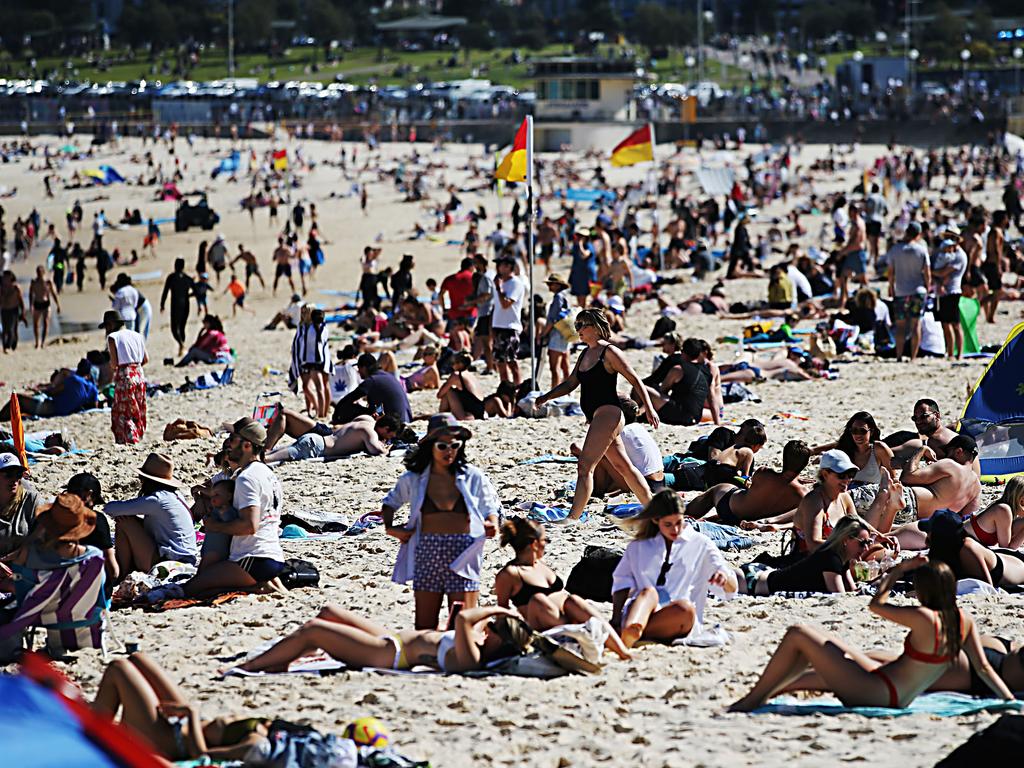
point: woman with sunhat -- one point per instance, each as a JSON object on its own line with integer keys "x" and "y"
{"x": 157, "y": 524}
{"x": 127, "y": 357}
{"x": 452, "y": 509}
{"x": 558, "y": 342}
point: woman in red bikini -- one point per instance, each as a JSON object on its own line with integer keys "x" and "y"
{"x": 938, "y": 632}
{"x": 1002, "y": 524}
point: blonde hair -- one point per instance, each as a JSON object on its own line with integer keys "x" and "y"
{"x": 848, "y": 527}
{"x": 1013, "y": 494}
{"x": 596, "y": 318}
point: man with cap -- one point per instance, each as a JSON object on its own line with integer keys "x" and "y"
{"x": 558, "y": 344}
{"x": 127, "y": 357}
{"x": 18, "y": 503}
{"x": 157, "y": 524}
{"x": 255, "y": 556}
{"x": 910, "y": 279}
{"x": 506, "y": 321}
{"x": 948, "y": 268}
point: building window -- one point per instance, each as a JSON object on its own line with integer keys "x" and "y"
{"x": 542, "y": 90}
{"x": 581, "y": 89}
{"x": 595, "y": 90}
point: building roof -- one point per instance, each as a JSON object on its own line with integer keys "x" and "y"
{"x": 425, "y": 22}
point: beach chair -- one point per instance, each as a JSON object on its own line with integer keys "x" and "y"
{"x": 68, "y": 599}
{"x": 264, "y": 412}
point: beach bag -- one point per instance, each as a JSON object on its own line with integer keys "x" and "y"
{"x": 299, "y": 573}
{"x": 299, "y": 746}
{"x": 1004, "y": 737}
{"x": 567, "y": 327}
{"x": 591, "y": 577}
{"x": 756, "y": 329}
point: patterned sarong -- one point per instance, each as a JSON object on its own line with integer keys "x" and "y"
{"x": 128, "y": 414}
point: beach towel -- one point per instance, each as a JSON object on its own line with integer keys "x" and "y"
{"x": 365, "y": 523}
{"x": 542, "y": 513}
{"x": 549, "y": 458}
{"x": 727, "y": 537}
{"x": 969, "y": 311}
{"x": 934, "y": 704}
{"x": 192, "y": 602}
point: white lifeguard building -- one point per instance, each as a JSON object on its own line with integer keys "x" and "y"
{"x": 583, "y": 102}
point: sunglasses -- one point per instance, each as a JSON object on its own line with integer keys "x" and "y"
{"x": 923, "y": 416}
{"x": 862, "y": 543}
{"x": 581, "y": 325}
{"x": 452, "y": 445}
{"x": 860, "y": 431}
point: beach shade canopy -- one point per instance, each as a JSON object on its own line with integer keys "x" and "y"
{"x": 104, "y": 175}
{"x": 994, "y": 413}
{"x": 229, "y": 164}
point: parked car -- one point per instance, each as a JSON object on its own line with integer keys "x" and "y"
{"x": 194, "y": 211}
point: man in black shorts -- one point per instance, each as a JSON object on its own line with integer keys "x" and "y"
{"x": 949, "y": 269}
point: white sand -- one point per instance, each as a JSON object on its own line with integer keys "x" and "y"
{"x": 665, "y": 707}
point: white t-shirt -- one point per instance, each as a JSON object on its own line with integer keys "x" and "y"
{"x": 800, "y": 283}
{"x": 514, "y": 289}
{"x": 129, "y": 345}
{"x": 345, "y": 379}
{"x": 258, "y": 486}
{"x": 641, "y": 449}
{"x": 124, "y": 302}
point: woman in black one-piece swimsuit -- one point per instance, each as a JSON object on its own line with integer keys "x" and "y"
{"x": 596, "y": 374}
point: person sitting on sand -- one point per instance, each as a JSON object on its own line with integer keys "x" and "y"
{"x": 938, "y": 632}
{"x": 381, "y": 391}
{"x": 536, "y": 591}
{"x": 211, "y": 345}
{"x": 862, "y": 444}
{"x": 661, "y": 584}
{"x": 641, "y": 449}
{"x": 949, "y": 543}
{"x": 426, "y": 376}
{"x": 150, "y": 704}
{"x": 481, "y": 635}
{"x": 461, "y": 394}
{"x": 157, "y": 524}
{"x": 1002, "y": 522}
{"x": 255, "y": 555}
{"x": 929, "y": 431}
{"x": 362, "y": 434}
{"x": 452, "y": 508}
{"x": 770, "y": 493}
{"x": 827, "y": 569}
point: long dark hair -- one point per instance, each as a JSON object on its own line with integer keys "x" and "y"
{"x": 846, "y": 444}
{"x": 935, "y": 586}
{"x": 421, "y": 457}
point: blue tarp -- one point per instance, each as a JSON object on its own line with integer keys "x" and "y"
{"x": 229, "y": 164}
{"x": 586, "y": 195}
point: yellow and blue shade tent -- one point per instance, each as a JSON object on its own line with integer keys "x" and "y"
{"x": 104, "y": 175}
{"x": 994, "y": 413}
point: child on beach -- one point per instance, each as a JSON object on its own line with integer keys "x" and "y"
{"x": 216, "y": 546}
{"x": 237, "y": 290}
{"x": 200, "y": 289}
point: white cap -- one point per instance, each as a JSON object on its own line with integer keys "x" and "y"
{"x": 837, "y": 461}
{"x": 10, "y": 460}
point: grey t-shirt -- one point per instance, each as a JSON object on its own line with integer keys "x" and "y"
{"x": 907, "y": 260}
{"x": 484, "y": 289}
{"x": 16, "y": 521}
{"x": 167, "y": 519}
{"x": 958, "y": 260}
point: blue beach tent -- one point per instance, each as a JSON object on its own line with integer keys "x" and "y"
{"x": 994, "y": 413}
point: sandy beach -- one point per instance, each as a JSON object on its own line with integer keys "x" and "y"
{"x": 666, "y": 707}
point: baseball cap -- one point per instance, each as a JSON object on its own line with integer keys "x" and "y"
{"x": 8, "y": 460}
{"x": 947, "y": 244}
{"x": 950, "y": 230}
{"x": 913, "y": 229}
{"x": 616, "y": 305}
{"x": 837, "y": 461}
{"x": 252, "y": 431}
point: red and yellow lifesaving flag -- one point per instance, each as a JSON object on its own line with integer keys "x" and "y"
{"x": 515, "y": 165}
{"x": 18, "y": 429}
{"x": 281, "y": 160}
{"x": 638, "y": 147}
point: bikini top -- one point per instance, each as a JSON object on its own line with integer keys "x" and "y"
{"x": 935, "y": 657}
{"x": 989, "y": 539}
{"x": 430, "y": 507}
{"x": 445, "y": 644}
{"x": 527, "y": 591}
{"x": 826, "y": 531}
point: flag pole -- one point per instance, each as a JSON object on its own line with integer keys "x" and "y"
{"x": 657, "y": 197}
{"x": 529, "y": 246}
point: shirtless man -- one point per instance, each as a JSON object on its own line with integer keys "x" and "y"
{"x": 251, "y": 267}
{"x": 995, "y": 263}
{"x": 12, "y": 310}
{"x": 929, "y": 425}
{"x": 853, "y": 258}
{"x": 40, "y": 292}
{"x": 770, "y": 493}
{"x": 360, "y": 434}
{"x": 283, "y": 264}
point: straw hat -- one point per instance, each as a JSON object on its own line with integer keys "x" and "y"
{"x": 159, "y": 469}
{"x": 67, "y": 519}
{"x": 556, "y": 279}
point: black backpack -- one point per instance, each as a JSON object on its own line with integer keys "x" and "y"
{"x": 1004, "y": 737}
{"x": 591, "y": 577}
{"x": 299, "y": 573}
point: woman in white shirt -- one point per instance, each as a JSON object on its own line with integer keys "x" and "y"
{"x": 661, "y": 584}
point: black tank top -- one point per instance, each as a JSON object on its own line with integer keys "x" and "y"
{"x": 597, "y": 386}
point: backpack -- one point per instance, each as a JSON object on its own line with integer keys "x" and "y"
{"x": 299, "y": 573}
{"x": 1004, "y": 737}
{"x": 591, "y": 577}
{"x": 299, "y": 746}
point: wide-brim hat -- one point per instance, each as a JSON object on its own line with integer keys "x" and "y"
{"x": 159, "y": 469}
{"x": 556, "y": 279}
{"x": 446, "y": 423}
{"x": 66, "y": 519}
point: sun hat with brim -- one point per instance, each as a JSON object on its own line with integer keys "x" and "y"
{"x": 446, "y": 423}
{"x": 950, "y": 230}
{"x": 159, "y": 469}
{"x": 8, "y": 460}
{"x": 111, "y": 317}
{"x": 66, "y": 519}
{"x": 252, "y": 431}
{"x": 837, "y": 461}
{"x": 556, "y": 279}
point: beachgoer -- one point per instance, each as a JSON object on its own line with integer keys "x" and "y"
{"x": 210, "y": 346}
{"x": 596, "y": 373}
{"x": 312, "y": 362}
{"x": 461, "y": 394}
{"x": 380, "y": 389}
{"x": 558, "y": 344}
{"x": 452, "y": 508}
{"x": 948, "y": 542}
{"x": 40, "y": 292}
{"x": 86, "y": 487}
{"x": 127, "y": 357}
{"x": 12, "y": 310}
{"x": 909, "y": 282}
{"x": 861, "y": 442}
{"x": 362, "y": 434}
{"x": 18, "y": 503}
{"x": 506, "y": 319}
{"x": 179, "y": 286}
{"x": 641, "y": 449}
{"x": 661, "y": 584}
{"x": 1002, "y": 522}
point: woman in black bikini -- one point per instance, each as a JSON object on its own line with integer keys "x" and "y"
{"x": 536, "y": 591}
{"x": 460, "y": 394}
{"x": 596, "y": 373}
{"x": 967, "y": 557}
{"x": 859, "y": 680}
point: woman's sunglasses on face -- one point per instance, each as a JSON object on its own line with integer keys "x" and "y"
{"x": 448, "y": 445}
